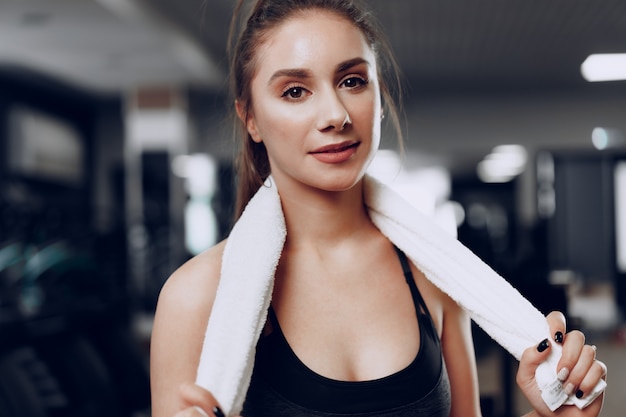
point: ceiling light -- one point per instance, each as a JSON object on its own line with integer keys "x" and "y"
{"x": 604, "y": 67}
{"x": 514, "y": 156}
{"x": 605, "y": 138}
{"x": 504, "y": 163}
{"x": 493, "y": 171}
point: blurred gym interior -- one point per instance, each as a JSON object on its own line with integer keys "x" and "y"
{"x": 116, "y": 167}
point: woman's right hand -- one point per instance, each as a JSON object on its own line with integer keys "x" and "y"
{"x": 198, "y": 402}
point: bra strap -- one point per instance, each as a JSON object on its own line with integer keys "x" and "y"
{"x": 420, "y": 304}
{"x": 274, "y": 320}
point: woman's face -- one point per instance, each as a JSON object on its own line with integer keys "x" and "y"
{"x": 316, "y": 102}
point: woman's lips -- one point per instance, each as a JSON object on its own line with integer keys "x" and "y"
{"x": 337, "y": 153}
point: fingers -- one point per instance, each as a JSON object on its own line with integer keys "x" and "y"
{"x": 570, "y": 370}
{"x": 585, "y": 374}
{"x": 530, "y": 360}
{"x": 192, "y": 412}
{"x": 198, "y": 402}
{"x": 573, "y": 344}
{"x": 578, "y": 369}
{"x": 596, "y": 371}
{"x": 556, "y": 322}
{"x": 586, "y": 357}
{"x": 201, "y": 411}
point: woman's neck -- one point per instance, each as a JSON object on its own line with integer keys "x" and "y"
{"x": 323, "y": 218}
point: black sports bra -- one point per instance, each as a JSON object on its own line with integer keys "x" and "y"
{"x": 278, "y": 369}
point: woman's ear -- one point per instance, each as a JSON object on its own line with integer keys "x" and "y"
{"x": 248, "y": 120}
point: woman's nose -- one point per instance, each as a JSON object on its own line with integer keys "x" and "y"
{"x": 333, "y": 114}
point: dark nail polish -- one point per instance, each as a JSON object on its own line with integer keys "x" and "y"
{"x": 579, "y": 394}
{"x": 218, "y": 412}
{"x": 543, "y": 345}
{"x": 558, "y": 337}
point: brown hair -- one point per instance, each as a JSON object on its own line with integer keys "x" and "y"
{"x": 252, "y": 162}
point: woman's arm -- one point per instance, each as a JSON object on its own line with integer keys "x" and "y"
{"x": 458, "y": 351}
{"x": 180, "y": 323}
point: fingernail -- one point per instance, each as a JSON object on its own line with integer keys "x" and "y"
{"x": 569, "y": 389}
{"x": 543, "y": 345}
{"x": 558, "y": 337}
{"x": 579, "y": 394}
{"x": 218, "y": 412}
{"x": 562, "y": 374}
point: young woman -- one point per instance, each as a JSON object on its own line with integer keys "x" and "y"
{"x": 346, "y": 335}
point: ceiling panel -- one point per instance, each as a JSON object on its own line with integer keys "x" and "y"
{"x": 98, "y": 46}
{"x": 500, "y": 43}
{"x": 440, "y": 45}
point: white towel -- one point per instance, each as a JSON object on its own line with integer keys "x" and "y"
{"x": 251, "y": 256}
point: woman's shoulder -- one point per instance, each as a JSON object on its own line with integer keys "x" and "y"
{"x": 180, "y": 321}
{"x": 202, "y": 267}
{"x": 193, "y": 284}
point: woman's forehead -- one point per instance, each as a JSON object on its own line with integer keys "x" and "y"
{"x": 312, "y": 40}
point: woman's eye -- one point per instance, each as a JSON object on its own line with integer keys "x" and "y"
{"x": 354, "y": 82}
{"x": 294, "y": 92}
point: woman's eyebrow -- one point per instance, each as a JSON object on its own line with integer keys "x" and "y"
{"x": 346, "y": 65}
{"x": 303, "y": 73}
{"x": 291, "y": 73}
